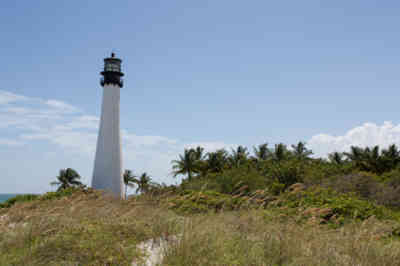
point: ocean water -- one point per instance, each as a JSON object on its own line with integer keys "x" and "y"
{"x": 4, "y": 197}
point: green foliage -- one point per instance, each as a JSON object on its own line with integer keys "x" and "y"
{"x": 188, "y": 163}
{"x": 238, "y": 157}
{"x": 230, "y": 180}
{"x": 392, "y": 178}
{"x": 129, "y": 180}
{"x": 262, "y": 152}
{"x": 317, "y": 171}
{"x": 59, "y": 194}
{"x": 287, "y": 172}
{"x": 19, "y": 198}
{"x": 190, "y": 202}
{"x": 273, "y": 168}
{"x": 373, "y": 159}
{"x": 329, "y": 205}
{"x": 47, "y": 196}
{"x": 144, "y": 183}
{"x": 364, "y": 184}
{"x": 300, "y": 151}
{"x": 215, "y": 162}
{"x": 367, "y": 186}
{"x": 67, "y": 178}
{"x": 277, "y": 188}
{"x": 340, "y": 205}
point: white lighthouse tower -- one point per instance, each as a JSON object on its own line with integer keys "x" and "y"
{"x": 107, "y": 173}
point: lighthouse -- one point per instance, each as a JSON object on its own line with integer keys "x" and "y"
{"x": 107, "y": 173}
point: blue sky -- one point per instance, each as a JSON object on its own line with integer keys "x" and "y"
{"x": 217, "y": 73}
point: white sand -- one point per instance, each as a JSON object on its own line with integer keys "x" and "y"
{"x": 154, "y": 249}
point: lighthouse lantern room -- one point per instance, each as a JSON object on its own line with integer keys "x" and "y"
{"x": 112, "y": 71}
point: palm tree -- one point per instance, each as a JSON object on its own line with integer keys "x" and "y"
{"x": 262, "y": 152}
{"x": 390, "y": 157}
{"x": 336, "y": 157}
{"x": 129, "y": 180}
{"x": 238, "y": 156}
{"x": 366, "y": 159}
{"x": 67, "y": 178}
{"x": 187, "y": 164}
{"x": 280, "y": 152}
{"x": 300, "y": 151}
{"x": 374, "y": 160}
{"x": 392, "y": 151}
{"x": 199, "y": 153}
{"x": 216, "y": 161}
{"x": 144, "y": 183}
{"x": 355, "y": 154}
{"x": 357, "y": 157}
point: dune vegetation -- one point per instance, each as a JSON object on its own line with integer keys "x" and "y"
{"x": 276, "y": 206}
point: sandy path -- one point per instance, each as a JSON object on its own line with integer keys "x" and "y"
{"x": 154, "y": 249}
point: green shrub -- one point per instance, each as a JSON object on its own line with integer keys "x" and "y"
{"x": 392, "y": 178}
{"x": 341, "y": 205}
{"x": 19, "y": 198}
{"x": 316, "y": 171}
{"x": 59, "y": 194}
{"x": 189, "y": 202}
{"x": 364, "y": 184}
{"x": 230, "y": 180}
{"x": 47, "y": 196}
{"x": 379, "y": 189}
{"x": 277, "y": 188}
{"x": 287, "y": 172}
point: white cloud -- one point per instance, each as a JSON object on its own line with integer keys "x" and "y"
{"x": 62, "y": 106}
{"x": 8, "y": 97}
{"x": 72, "y": 141}
{"x": 211, "y": 146}
{"x": 18, "y": 110}
{"x": 84, "y": 122}
{"x": 27, "y": 113}
{"x": 368, "y": 134}
{"x": 64, "y": 126}
{"x": 10, "y": 142}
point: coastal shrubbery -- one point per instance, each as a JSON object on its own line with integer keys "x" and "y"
{"x": 276, "y": 206}
{"x": 19, "y": 198}
{"x": 370, "y": 173}
{"x": 80, "y": 227}
{"x": 330, "y": 206}
{"x": 33, "y": 197}
{"x": 190, "y": 202}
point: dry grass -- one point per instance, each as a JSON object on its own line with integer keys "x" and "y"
{"x": 83, "y": 229}
{"x": 93, "y": 229}
{"x": 248, "y": 238}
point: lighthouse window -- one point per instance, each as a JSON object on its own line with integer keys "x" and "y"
{"x": 114, "y": 67}
{"x": 111, "y": 67}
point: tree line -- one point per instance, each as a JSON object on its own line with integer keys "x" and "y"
{"x": 70, "y": 178}
{"x": 195, "y": 162}
{"x": 275, "y": 167}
